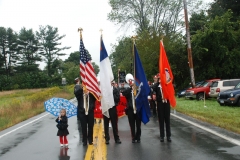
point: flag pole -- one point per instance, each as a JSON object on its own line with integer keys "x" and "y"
{"x": 134, "y": 39}
{"x": 118, "y": 77}
{"x": 80, "y": 30}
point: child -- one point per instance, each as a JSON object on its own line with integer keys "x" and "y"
{"x": 62, "y": 128}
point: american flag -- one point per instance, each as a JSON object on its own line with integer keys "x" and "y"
{"x": 87, "y": 73}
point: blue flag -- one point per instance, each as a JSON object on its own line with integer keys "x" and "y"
{"x": 143, "y": 109}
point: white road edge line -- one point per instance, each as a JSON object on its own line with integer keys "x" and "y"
{"x": 23, "y": 126}
{"x": 232, "y": 140}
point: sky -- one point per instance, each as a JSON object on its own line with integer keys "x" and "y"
{"x": 67, "y": 16}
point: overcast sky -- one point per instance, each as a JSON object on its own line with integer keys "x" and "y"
{"x": 67, "y": 16}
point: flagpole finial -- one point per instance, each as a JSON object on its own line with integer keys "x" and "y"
{"x": 80, "y": 30}
{"x": 101, "y": 30}
{"x": 134, "y": 38}
{"x": 162, "y": 36}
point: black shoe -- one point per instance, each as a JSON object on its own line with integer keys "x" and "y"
{"x": 133, "y": 141}
{"x": 84, "y": 143}
{"x": 107, "y": 142}
{"x": 90, "y": 143}
{"x": 118, "y": 141}
{"x": 169, "y": 139}
{"x": 161, "y": 139}
{"x": 138, "y": 141}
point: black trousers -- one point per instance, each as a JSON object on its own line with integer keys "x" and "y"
{"x": 153, "y": 106}
{"x": 87, "y": 122}
{"x": 164, "y": 118}
{"x": 134, "y": 120}
{"x": 114, "y": 121}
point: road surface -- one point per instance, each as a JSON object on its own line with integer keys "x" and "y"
{"x": 35, "y": 139}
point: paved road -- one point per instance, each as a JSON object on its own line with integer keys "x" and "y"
{"x": 38, "y": 141}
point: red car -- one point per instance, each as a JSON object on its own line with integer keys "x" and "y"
{"x": 198, "y": 92}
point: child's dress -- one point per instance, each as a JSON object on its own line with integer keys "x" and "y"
{"x": 62, "y": 130}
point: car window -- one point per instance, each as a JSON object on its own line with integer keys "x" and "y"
{"x": 205, "y": 84}
{"x": 234, "y": 83}
{"x": 214, "y": 84}
{"x": 237, "y": 86}
{"x": 198, "y": 84}
{"x": 231, "y": 83}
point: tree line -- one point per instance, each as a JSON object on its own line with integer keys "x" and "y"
{"x": 214, "y": 37}
{"x": 20, "y": 54}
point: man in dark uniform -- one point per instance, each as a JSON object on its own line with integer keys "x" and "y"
{"x": 153, "y": 102}
{"x": 163, "y": 108}
{"x": 113, "y": 117}
{"x": 122, "y": 88}
{"x": 77, "y": 87}
{"x": 133, "y": 118}
{"x": 86, "y": 120}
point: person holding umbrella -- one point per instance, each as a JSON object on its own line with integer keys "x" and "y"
{"x": 62, "y": 125}
{"x": 86, "y": 105}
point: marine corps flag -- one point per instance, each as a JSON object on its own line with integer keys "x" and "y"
{"x": 166, "y": 77}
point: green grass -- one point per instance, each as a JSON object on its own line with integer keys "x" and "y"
{"x": 19, "y": 105}
{"x": 227, "y": 117}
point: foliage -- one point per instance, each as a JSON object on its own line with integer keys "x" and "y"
{"x": 49, "y": 40}
{"x": 156, "y": 16}
{"x": 75, "y": 58}
{"x": 70, "y": 72}
{"x": 8, "y": 48}
{"x": 27, "y": 51}
{"x": 148, "y": 49}
{"x": 216, "y": 49}
{"x": 219, "y": 7}
{"x": 122, "y": 56}
{"x": 197, "y": 22}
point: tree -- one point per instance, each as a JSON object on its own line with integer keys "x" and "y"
{"x": 216, "y": 49}
{"x": 157, "y": 16}
{"x": 75, "y": 58}
{"x": 8, "y": 48}
{"x": 219, "y": 7}
{"x": 49, "y": 40}
{"x": 27, "y": 51}
{"x": 70, "y": 71}
{"x": 122, "y": 55}
{"x": 3, "y": 49}
{"x": 197, "y": 22}
{"x": 96, "y": 68}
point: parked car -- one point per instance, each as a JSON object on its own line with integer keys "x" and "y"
{"x": 221, "y": 86}
{"x": 230, "y": 97}
{"x": 200, "y": 92}
{"x": 182, "y": 93}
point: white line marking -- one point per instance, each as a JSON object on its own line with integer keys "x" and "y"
{"x": 232, "y": 140}
{"x": 23, "y": 126}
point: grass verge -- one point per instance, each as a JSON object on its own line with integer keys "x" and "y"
{"x": 19, "y": 105}
{"x": 226, "y": 117}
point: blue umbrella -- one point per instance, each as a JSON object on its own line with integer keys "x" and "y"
{"x": 54, "y": 105}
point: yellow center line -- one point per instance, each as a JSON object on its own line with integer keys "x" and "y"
{"x": 97, "y": 151}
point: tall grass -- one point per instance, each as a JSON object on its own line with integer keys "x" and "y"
{"x": 227, "y": 117}
{"x": 23, "y": 104}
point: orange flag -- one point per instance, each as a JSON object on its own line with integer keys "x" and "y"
{"x": 166, "y": 77}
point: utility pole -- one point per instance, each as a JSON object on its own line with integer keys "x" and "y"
{"x": 189, "y": 49}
